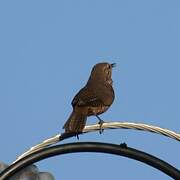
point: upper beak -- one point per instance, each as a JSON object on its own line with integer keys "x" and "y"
{"x": 113, "y": 65}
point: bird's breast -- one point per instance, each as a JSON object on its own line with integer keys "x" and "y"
{"x": 97, "y": 110}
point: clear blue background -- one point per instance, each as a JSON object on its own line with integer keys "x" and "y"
{"x": 47, "y": 49}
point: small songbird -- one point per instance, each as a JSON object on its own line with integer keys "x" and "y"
{"x": 93, "y": 99}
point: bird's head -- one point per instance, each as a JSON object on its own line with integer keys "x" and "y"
{"x": 102, "y": 72}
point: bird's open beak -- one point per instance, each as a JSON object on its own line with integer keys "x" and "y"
{"x": 113, "y": 65}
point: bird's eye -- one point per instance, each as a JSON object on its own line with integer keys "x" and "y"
{"x": 108, "y": 66}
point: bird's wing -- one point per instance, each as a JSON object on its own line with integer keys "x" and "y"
{"x": 86, "y": 97}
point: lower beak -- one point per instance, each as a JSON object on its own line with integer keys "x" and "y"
{"x": 113, "y": 65}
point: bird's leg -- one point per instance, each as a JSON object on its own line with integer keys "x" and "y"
{"x": 100, "y": 123}
{"x": 77, "y": 135}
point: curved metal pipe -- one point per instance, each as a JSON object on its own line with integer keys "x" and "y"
{"x": 121, "y": 150}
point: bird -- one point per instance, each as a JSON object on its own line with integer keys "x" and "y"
{"x": 93, "y": 99}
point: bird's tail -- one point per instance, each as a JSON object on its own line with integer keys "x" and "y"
{"x": 75, "y": 123}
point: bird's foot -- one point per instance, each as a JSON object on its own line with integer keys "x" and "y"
{"x": 100, "y": 124}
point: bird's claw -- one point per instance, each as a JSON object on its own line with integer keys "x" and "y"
{"x": 100, "y": 125}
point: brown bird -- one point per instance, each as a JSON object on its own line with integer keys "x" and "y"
{"x": 93, "y": 99}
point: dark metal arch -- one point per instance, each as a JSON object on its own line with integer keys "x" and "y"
{"x": 121, "y": 150}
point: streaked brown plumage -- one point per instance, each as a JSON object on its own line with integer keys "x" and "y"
{"x": 93, "y": 99}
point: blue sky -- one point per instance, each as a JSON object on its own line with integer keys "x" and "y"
{"x": 47, "y": 51}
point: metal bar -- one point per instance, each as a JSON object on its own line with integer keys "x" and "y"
{"x": 121, "y": 150}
